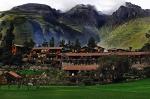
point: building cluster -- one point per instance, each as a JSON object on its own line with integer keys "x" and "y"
{"x": 74, "y": 61}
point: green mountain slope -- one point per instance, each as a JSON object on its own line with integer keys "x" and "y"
{"x": 129, "y": 34}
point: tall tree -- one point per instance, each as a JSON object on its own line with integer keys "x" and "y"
{"x": 52, "y": 42}
{"x": 45, "y": 43}
{"x": 91, "y": 43}
{"x": 113, "y": 67}
{"x": 146, "y": 47}
{"x": 0, "y": 36}
{"x": 62, "y": 43}
{"x": 77, "y": 45}
{"x": 9, "y": 37}
{"x": 31, "y": 43}
{"x": 70, "y": 45}
{"x": 28, "y": 45}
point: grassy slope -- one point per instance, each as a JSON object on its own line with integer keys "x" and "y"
{"x": 23, "y": 29}
{"x": 132, "y": 90}
{"x": 130, "y": 34}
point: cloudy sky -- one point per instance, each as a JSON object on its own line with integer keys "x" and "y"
{"x": 105, "y": 6}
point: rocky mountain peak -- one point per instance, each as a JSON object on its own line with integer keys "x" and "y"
{"x": 130, "y": 5}
{"x": 85, "y": 14}
{"x": 127, "y": 12}
{"x": 33, "y": 7}
{"x": 46, "y": 11}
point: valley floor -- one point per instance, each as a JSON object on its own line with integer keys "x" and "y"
{"x": 132, "y": 90}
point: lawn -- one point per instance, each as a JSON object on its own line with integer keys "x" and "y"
{"x": 133, "y": 90}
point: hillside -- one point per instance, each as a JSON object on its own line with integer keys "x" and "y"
{"x": 129, "y": 34}
{"x": 41, "y": 22}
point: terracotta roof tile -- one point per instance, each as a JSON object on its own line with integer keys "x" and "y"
{"x": 82, "y": 68}
{"x": 14, "y": 74}
{"x": 108, "y": 54}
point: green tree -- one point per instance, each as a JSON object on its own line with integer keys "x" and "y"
{"x": 62, "y": 43}
{"x": 52, "y": 42}
{"x": 28, "y": 45}
{"x": 45, "y": 43}
{"x": 7, "y": 45}
{"x": 113, "y": 67}
{"x": 9, "y": 37}
{"x": 146, "y": 47}
{"x": 31, "y": 43}
{"x": 91, "y": 43}
{"x": 0, "y": 36}
{"x": 70, "y": 45}
{"x": 77, "y": 44}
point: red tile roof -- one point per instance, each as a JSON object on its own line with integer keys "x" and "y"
{"x": 14, "y": 74}
{"x": 109, "y": 53}
{"x": 40, "y": 48}
{"x": 82, "y": 68}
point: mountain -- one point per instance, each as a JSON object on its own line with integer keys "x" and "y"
{"x": 85, "y": 15}
{"x": 41, "y": 22}
{"x": 127, "y": 12}
{"x": 126, "y": 28}
{"x": 130, "y": 34}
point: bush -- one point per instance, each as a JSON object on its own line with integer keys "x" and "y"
{"x": 87, "y": 81}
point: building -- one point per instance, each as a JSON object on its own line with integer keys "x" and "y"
{"x": 17, "y": 49}
{"x": 46, "y": 55}
{"x": 2, "y": 77}
{"x": 12, "y": 77}
{"x": 73, "y": 63}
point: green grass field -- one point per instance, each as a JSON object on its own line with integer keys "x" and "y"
{"x": 133, "y": 90}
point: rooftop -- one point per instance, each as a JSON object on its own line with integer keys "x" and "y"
{"x": 108, "y": 54}
{"x": 80, "y": 67}
{"x": 14, "y": 74}
{"x": 41, "y": 48}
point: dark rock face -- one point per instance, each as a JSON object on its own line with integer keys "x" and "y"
{"x": 85, "y": 15}
{"x": 41, "y": 9}
{"x": 128, "y": 12}
{"x": 33, "y": 7}
{"x": 41, "y": 22}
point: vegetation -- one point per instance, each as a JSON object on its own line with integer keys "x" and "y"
{"x": 77, "y": 45}
{"x": 112, "y": 68}
{"x": 91, "y": 43}
{"x": 131, "y": 90}
{"x": 146, "y": 47}
{"x": 129, "y": 34}
{"x": 52, "y": 42}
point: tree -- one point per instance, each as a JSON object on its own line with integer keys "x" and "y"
{"x": 62, "y": 43}
{"x": 112, "y": 68}
{"x": 148, "y": 34}
{"x": 7, "y": 45}
{"x": 9, "y": 37}
{"x": 6, "y": 58}
{"x": 146, "y": 47}
{"x": 29, "y": 44}
{"x": 52, "y": 42}
{"x": 45, "y": 43}
{"x": 16, "y": 59}
{"x": 70, "y": 45}
{"x": 91, "y": 43}
{"x": 77, "y": 45}
{"x": 0, "y": 36}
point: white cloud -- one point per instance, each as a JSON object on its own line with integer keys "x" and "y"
{"x": 102, "y": 5}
